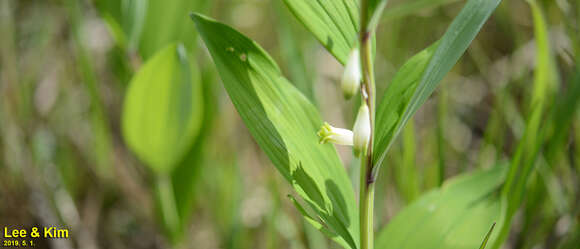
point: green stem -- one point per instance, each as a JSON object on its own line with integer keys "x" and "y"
{"x": 167, "y": 205}
{"x": 367, "y": 179}
{"x": 367, "y": 196}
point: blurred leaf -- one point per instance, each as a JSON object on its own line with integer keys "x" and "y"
{"x": 112, "y": 9}
{"x": 149, "y": 25}
{"x": 375, "y": 10}
{"x": 523, "y": 162}
{"x": 134, "y": 13}
{"x": 572, "y": 239}
{"x": 397, "y": 95}
{"x": 451, "y": 217}
{"x": 167, "y": 22}
{"x": 564, "y": 112}
{"x": 411, "y": 7}
{"x": 393, "y": 114}
{"x": 116, "y": 31}
{"x": 292, "y": 44}
{"x": 125, "y": 19}
{"x": 102, "y": 138}
{"x": 334, "y": 23}
{"x": 162, "y": 109}
{"x": 284, "y": 123}
{"x": 186, "y": 175}
{"x": 406, "y": 171}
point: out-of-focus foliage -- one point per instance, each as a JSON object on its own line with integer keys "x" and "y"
{"x": 67, "y": 66}
{"x": 149, "y": 25}
{"x": 163, "y": 109}
{"x": 457, "y": 215}
{"x": 445, "y": 54}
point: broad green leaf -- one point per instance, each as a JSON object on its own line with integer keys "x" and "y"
{"x": 454, "y": 216}
{"x": 523, "y": 162}
{"x": 284, "y": 123}
{"x": 392, "y": 115}
{"x": 162, "y": 109}
{"x": 334, "y": 23}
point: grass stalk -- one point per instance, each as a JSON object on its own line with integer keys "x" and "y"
{"x": 102, "y": 131}
{"x": 408, "y": 173}
{"x": 440, "y": 130}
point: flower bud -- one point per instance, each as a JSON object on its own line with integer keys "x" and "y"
{"x": 328, "y": 133}
{"x": 361, "y": 130}
{"x": 352, "y": 75}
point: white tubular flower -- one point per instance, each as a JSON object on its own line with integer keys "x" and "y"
{"x": 352, "y": 75}
{"x": 362, "y": 130}
{"x": 328, "y": 133}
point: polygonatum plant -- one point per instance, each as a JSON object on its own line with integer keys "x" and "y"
{"x": 289, "y": 129}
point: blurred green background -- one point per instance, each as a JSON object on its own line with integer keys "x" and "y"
{"x": 65, "y": 68}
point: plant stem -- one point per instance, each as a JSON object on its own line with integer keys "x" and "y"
{"x": 367, "y": 196}
{"x": 168, "y": 206}
{"x": 367, "y": 180}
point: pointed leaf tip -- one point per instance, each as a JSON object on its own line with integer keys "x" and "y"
{"x": 484, "y": 243}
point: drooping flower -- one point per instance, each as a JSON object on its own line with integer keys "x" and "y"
{"x": 328, "y": 133}
{"x": 352, "y": 76}
{"x": 361, "y": 130}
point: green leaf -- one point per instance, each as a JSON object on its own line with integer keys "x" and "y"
{"x": 563, "y": 116}
{"x": 375, "y": 10}
{"x": 411, "y": 7}
{"x": 484, "y": 243}
{"x": 292, "y": 46}
{"x": 451, "y": 217}
{"x": 187, "y": 174}
{"x": 523, "y": 162}
{"x": 149, "y": 25}
{"x": 167, "y": 22}
{"x": 284, "y": 123}
{"x": 334, "y": 23}
{"x": 125, "y": 19}
{"x": 392, "y": 115}
{"x": 314, "y": 223}
{"x": 397, "y": 96}
{"x": 162, "y": 109}
{"x": 134, "y": 18}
